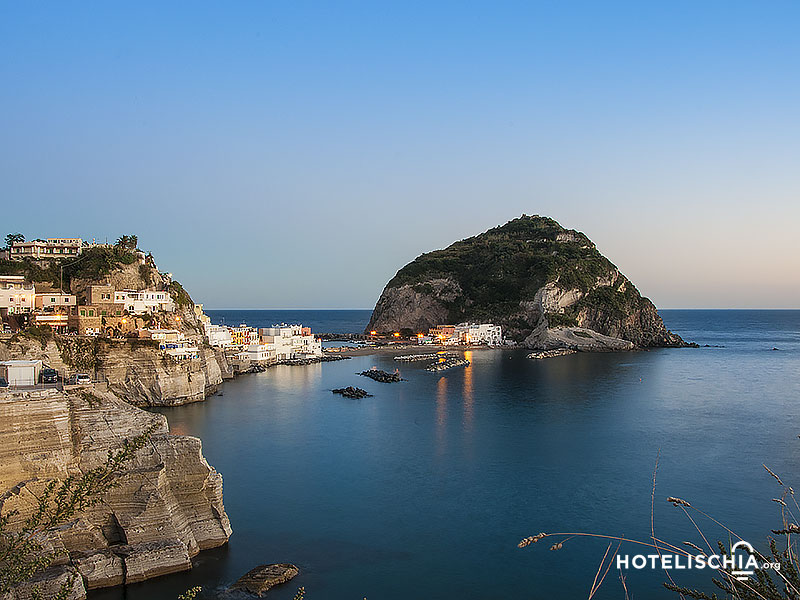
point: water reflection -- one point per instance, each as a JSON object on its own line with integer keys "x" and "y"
{"x": 361, "y": 493}
{"x": 467, "y": 393}
{"x": 287, "y": 377}
{"x": 441, "y": 413}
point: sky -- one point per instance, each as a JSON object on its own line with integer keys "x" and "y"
{"x": 297, "y": 154}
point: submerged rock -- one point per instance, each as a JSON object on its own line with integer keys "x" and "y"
{"x": 262, "y": 578}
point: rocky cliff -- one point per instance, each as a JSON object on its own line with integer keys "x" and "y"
{"x": 166, "y": 508}
{"x": 547, "y": 286}
{"x": 135, "y": 369}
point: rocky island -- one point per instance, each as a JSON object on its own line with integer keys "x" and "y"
{"x": 549, "y": 287}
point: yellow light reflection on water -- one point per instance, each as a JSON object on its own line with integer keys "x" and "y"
{"x": 469, "y": 397}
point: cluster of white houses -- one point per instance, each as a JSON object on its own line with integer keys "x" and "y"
{"x": 467, "y": 334}
{"x": 100, "y": 307}
{"x": 263, "y": 344}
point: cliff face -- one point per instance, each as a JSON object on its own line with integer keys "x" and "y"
{"x": 135, "y": 369}
{"x": 547, "y": 286}
{"x": 143, "y": 377}
{"x": 166, "y": 508}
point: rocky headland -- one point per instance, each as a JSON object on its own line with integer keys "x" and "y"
{"x": 166, "y": 507}
{"x": 549, "y": 287}
{"x": 167, "y": 504}
{"x": 135, "y": 369}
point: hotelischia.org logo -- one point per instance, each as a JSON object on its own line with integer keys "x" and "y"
{"x": 741, "y": 563}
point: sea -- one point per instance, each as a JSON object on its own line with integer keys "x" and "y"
{"x": 425, "y": 489}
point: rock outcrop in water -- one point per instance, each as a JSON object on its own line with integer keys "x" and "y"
{"x": 166, "y": 508}
{"x": 549, "y": 287}
{"x": 352, "y": 392}
{"x": 381, "y": 376}
{"x": 261, "y": 579}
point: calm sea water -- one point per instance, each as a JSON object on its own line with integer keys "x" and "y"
{"x": 425, "y": 489}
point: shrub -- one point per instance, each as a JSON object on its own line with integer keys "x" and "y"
{"x": 180, "y": 295}
{"x": 561, "y": 320}
{"x": 40, "y": 333}
{"x": 22, "y": 548}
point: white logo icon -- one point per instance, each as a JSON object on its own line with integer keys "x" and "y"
{"x": 744, "y": 571}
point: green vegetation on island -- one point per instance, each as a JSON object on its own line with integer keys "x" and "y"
{"x": 528, "y": 274}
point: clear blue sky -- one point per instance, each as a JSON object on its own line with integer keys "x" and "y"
{"x": 296, "y": 154}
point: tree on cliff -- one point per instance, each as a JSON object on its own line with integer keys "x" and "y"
{"x": 23, "y": 548}
{"x": 128, "y": 242}
{"x": 14, "y": 238}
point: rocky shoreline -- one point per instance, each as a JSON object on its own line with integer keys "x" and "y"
{"x": 551, "y": 353}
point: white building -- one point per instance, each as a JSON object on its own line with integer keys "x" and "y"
{"x": 21, "y": 372}
{"x": 180, "y": 350}
{"x": 218, "y": 335}
{"x": 138, "y": 302}
{"x": 281, "y": 346}
{"x": 50, "y": 248}
{"x": 479, "y": 333}
{"x": 163, "y": 335}
{"x": 16, "y": 295}
{"x": 290, "y": 341}
{"x": 259, "y": 353}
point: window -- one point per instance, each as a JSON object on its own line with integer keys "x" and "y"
{"x": 52, "y": 299}
{"x": 102, "y": 313}
{"x": 119, "y": 313}
{"x": 83, "y": 313}
{"x": 91, "y": 312}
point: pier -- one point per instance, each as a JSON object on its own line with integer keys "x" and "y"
{"x": 421, "y": 357}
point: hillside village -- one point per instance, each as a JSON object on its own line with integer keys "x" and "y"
{"x": 81, "y": 289}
